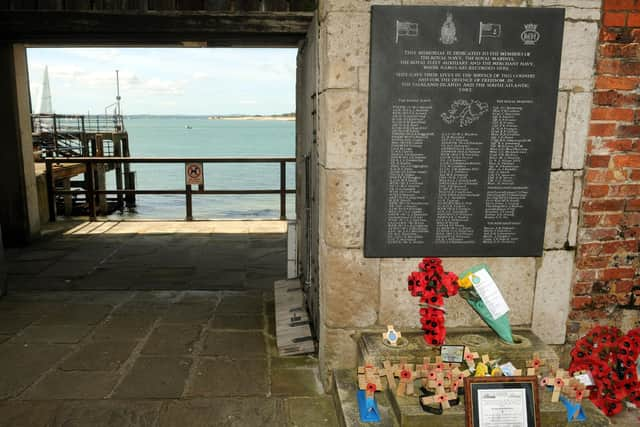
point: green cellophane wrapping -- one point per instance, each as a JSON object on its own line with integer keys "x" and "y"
{"x": 501, "y": 325}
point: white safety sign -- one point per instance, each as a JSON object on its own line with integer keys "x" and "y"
{"x": 194, "y": 174}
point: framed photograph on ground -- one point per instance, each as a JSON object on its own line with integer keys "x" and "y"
{"x": 452, "y": 353}
{"x": 500, "y": 401}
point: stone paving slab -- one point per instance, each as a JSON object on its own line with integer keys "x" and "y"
{"x": 60, "y": 334}
{"x": 236, "y": 345}
{"x": 318, "y": 411}
{"x": 34, "y": 254}
{"x": 78, "y": 314}
{"x": 261, "y": 279}
{"x": 292, "y": 362}
{"x": 124, "y": 328}
{"x": 295, "y": 382}
{"x": 108, "y": 413}
{"x": 189, "y": 313}
{"x": 216, "y": 280}
{"x": 72, "y": 385}
{"x": 221, "y": 377}
{"x": 21, "y": 365}
{"x": 238, "y": 321}
{"x": 172, "y": 340}
{"x": 107, "y": 278}
{"x": 22, "y": 304}
{"x": 69, "y": 270}
{"x": 99, "y": 356}
{"x": 28, "y": 267}
{"x": 112, "y": 298}
{"x": 158, "y": 255}
{"x": 255, "y": 412}
{"x": 28, "y": 414}
{"x": 240, "y": 304}
{"x": 155, "y": 378}
{"x": 11, "y": 322}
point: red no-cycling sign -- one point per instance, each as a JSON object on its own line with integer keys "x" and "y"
{"x": 194, "y": 173}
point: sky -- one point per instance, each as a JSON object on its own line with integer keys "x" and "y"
{"x": 194, "y": 81}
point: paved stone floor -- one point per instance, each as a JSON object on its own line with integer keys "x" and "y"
{"x": 122, "y": 343}
{"x": 125, "y": 255}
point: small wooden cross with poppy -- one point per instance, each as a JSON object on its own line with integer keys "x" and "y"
{"x": 534, "y": 364}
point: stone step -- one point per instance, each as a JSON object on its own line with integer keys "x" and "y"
{"x": 407, "y": 410}
{"x": 484, "y": 341}
{"x": 410, "y": 414}
{"x": 344, "y": 395}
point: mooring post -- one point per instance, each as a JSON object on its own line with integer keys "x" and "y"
{"x": 283, "y": 190}
{"x": 51, "y": 188}
{"x": 68, "y": 198}
{"x": 189, "y": 207}
{"x": 91, "y": 199}
{"x": 117, "y": 152}
{"x": 100, "y": 170}
{"x": 129, "y": 176}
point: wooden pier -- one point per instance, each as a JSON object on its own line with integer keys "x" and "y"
{"x": 69, "y": 136}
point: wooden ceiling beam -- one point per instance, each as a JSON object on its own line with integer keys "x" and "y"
{"x": 154, "y": 28}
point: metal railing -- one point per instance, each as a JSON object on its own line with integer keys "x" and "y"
{"x": 91, "y": 192}
{"x": 66, "y": 135}
{"x": 76, "y": 124}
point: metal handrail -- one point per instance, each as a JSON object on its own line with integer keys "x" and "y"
{"x": 73, "y": 123}
{"x": 91, "y": 192}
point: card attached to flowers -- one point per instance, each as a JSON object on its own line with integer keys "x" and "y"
{"x": 488, "y": 291}
{"x": 479, "y": 289}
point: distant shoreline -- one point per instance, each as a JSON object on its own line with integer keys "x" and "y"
{"x": 270, "y": 118}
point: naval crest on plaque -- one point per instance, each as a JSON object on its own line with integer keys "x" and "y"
{"x": 448, "y": 31}
{"x": 530, "y": 35}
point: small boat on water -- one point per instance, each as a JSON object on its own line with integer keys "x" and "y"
{"x": 188, "y": 127}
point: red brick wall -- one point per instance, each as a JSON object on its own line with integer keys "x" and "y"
{"x": 607, "y": 254}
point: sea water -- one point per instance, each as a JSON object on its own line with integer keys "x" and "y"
{"x": 200, "y": 137}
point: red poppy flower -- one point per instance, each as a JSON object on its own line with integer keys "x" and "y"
{"x": 371, "y": 388}
{"x": 405, "y": 374}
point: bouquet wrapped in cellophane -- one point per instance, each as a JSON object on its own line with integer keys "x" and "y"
{"x": 467, "y": 282}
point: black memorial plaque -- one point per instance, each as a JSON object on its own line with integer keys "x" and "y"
{"x": 462, "y": 104}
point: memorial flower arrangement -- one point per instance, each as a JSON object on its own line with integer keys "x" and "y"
{"x": 612, "y": 360}
{"x": 500, "y": 325}
{"x": 432, "y": 284}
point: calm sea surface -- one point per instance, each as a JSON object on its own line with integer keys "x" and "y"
{"x": 171, "y": 137}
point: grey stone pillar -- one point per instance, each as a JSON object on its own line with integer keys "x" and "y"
{"x": 3, "y": 269}
{"x": 19, "y": 216}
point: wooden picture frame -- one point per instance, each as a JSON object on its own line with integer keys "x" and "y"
{"x": 520, "y": 393}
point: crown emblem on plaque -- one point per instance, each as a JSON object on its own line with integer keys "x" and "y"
{"x": 530, "y": 35}
{"x": 448, "y": 31}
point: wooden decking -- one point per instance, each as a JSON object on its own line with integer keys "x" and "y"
{"x": 61, "y": 171}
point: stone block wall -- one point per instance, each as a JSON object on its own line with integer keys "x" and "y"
{"x": 357, "y": 293}
{"x": 607, "y": 262}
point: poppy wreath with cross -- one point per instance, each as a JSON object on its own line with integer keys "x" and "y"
{"x": 611, "y": 358}
{"x": 432, "y": 284}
